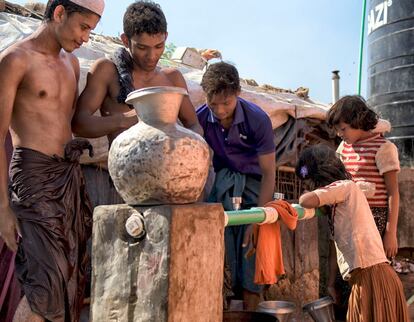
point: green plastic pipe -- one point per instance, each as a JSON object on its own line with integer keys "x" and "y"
{"x": 410, "y": 300}
{"x": 301, "y": 211}
{"x": 257, "y": 215}
{"x": 361, "y": 46}
{"x": 245, "y": 217}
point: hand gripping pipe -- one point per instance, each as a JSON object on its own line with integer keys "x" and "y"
{"x": 258, "y": 215}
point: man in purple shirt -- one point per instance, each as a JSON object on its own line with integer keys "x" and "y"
{"x": 241, "y": 137}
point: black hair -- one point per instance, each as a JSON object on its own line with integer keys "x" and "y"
{"x": 144, "y": 16}
{"x": 319, "y": 165}
{"x": 221, "y": 78}
{"x": 69, "y": 6}
{"x": 352, "y": 110}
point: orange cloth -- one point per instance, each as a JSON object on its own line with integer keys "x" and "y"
{"x": 269, "y": 259}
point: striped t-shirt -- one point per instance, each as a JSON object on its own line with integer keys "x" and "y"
{"x": 368, "y": 160}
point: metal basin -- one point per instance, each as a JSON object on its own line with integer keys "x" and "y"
{"x": 321, "y": 310}
{"x": 247, "y": 316}
{"x": 280, "y": 309}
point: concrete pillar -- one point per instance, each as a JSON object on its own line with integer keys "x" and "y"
{"x": 405, "y": 218}
{"x": 174, "y": 274}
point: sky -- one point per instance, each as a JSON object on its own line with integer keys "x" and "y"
{"x": 286, "y": 44}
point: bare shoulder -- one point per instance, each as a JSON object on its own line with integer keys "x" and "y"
{"x": 175, "y": 76}
{"x": 14, "y": 58}
{"x": 102, "y": 75}
{"x": 74, "y": 62}
{"x": 171, "y": 72}
{"x": 103, "y": 66}
{"x": 73, "y": 59}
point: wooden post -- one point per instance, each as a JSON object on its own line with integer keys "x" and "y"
{"x": 2, "y": 5}
{"x": 175, "y": 274}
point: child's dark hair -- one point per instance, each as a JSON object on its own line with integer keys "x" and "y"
{"x": 221, "y": 78}
{"x": 352, "y": 110}
{"x": 321, "y": 166}
{"x": 69, "y": 6}
{"x": 144, "y": 17}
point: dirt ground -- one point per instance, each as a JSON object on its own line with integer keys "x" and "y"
{"x": 408, "y": 283}
{"x": 405, "y": 271}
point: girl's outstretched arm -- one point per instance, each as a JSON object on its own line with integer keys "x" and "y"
{"x": 309, "y": 200}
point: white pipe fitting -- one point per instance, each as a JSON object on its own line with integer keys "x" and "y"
{"x": 135, "y": 225}
{"x": 335, "y": 86}
{"x": 308, "y": 213}
{"x": 271, "y": 215}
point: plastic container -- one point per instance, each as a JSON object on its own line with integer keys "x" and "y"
{"x": 391, "y": 69}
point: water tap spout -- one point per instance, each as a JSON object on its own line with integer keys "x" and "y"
{"x": 236, "y": 202}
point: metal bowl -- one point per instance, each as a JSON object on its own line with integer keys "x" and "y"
{"x": 280, "y": 309}
{"x": 321, "y": 310}
{"x": 246, "y": 316}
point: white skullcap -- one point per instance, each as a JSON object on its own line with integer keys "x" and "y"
{"x": 96, "y": 6}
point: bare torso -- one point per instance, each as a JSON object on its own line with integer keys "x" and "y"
{"x": 44, "y": 102}
{"x": 110, "y": 105}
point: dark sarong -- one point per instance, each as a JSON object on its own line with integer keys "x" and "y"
{"x": 238, "y": 269}
{"x": 55, "y": 217}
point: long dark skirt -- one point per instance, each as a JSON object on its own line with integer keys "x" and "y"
{"x": 377, "y": 296}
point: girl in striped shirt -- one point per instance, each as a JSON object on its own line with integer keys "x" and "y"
{"x": 368, "y": 157}
{"x": 371, "y": 158}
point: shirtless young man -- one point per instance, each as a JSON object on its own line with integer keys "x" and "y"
{"x": 144, "y": 37}
{"x": 47, "y": 206}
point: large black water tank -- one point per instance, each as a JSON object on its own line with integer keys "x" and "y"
{"x": 390, "y": 27}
